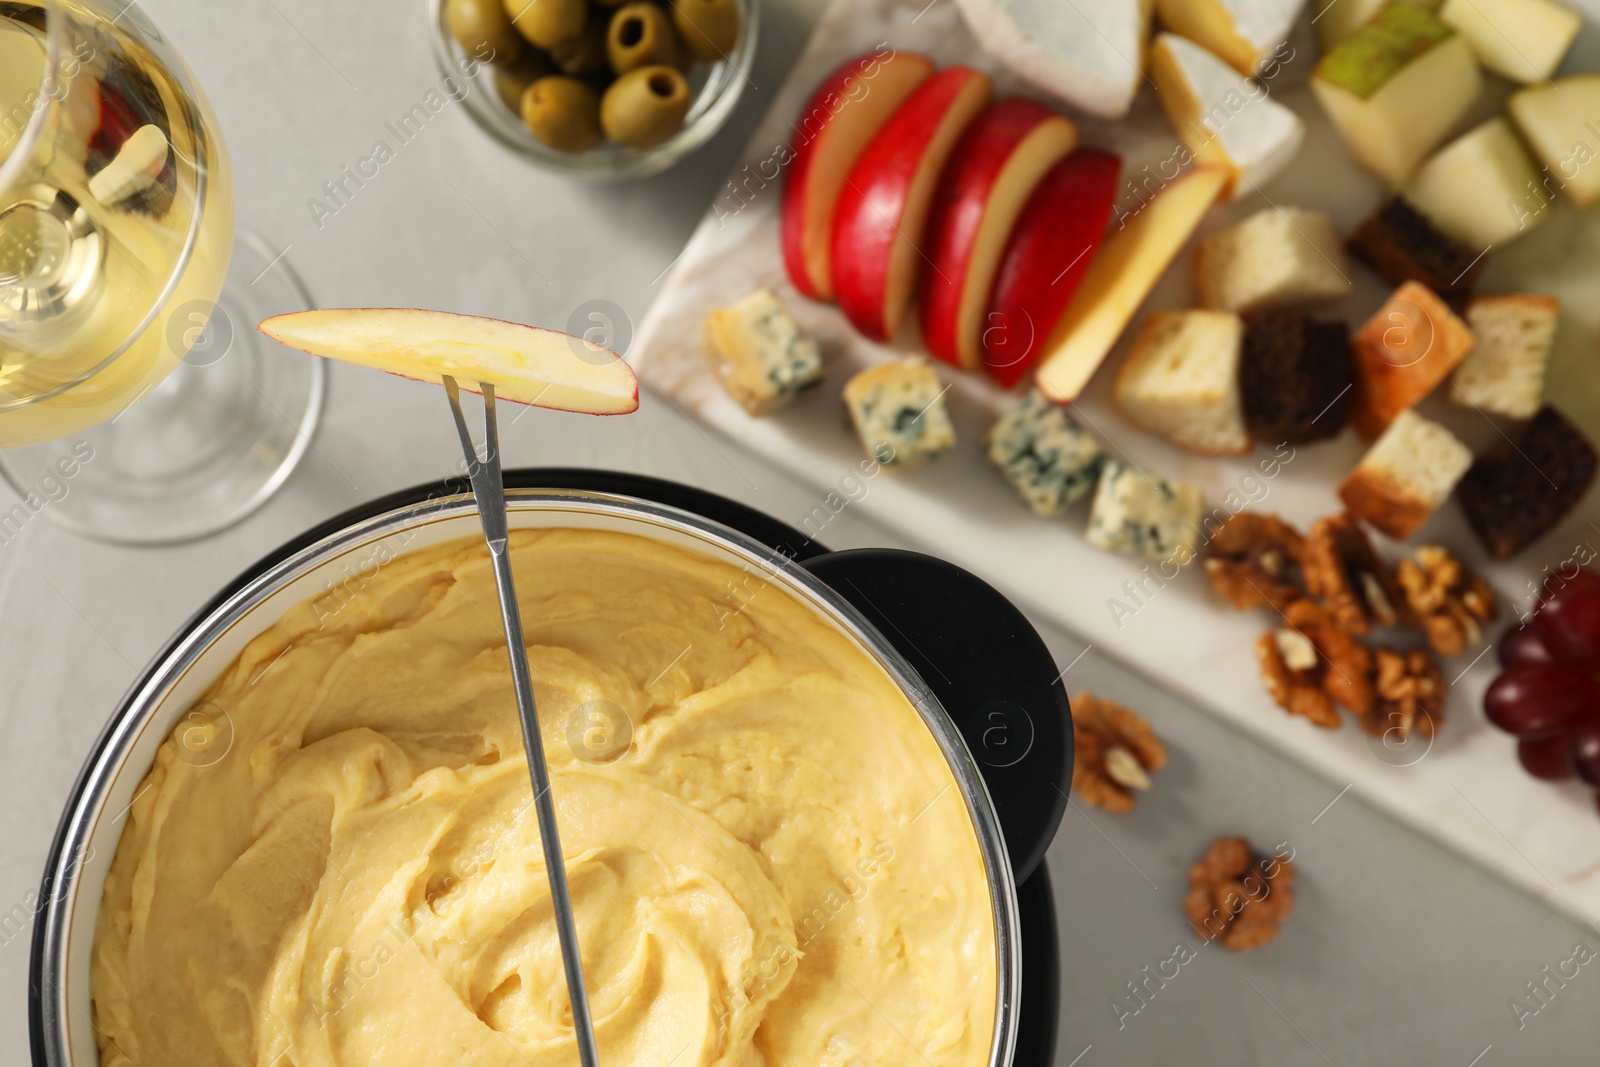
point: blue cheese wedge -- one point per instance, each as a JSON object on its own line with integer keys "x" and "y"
{"x": 1142, "y": 514}
{"x": 899, "y": 413}
{"x": 1050, "y": 461}
{"x": 759, "y": 354}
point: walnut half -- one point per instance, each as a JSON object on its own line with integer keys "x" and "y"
{"x": 1410, "y": 695}
{"x": 1312, "y": 663}
{"x": 1113, "y": 755}
{"x": 1344, "y": 572}
{"x": 1450, "y": 603}
{"x": 1237, "y": 897}
{"x": 1253, "y": 560}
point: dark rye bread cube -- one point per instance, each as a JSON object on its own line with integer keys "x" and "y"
{"x": 1403, "y": 246}
{"x": 1522, "y": 487}
{"x": 1294, "y": 377}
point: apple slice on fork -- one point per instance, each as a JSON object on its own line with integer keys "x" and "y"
{"x": 525, "y": 364}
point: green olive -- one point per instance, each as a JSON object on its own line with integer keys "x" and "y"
{"x": 645, "y": 106}
{"x": 709, "y": 28}
{"x": 484, "y": 29}
{"x": 641, "y": 35}
{"x": 563, "y": 112}
{"x": 585, "y": 53}
{"x": 547, "y": 22}
{"x": 510, "y": 83}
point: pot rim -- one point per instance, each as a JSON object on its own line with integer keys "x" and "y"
{"x": 50, "y": 1010}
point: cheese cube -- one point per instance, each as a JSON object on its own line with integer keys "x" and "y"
{"x": 1561, "y": 120}
{"x": 1275, "y": 258}
{"x": 1050, "y": 461}
{"x": 1142, "y": 514}
{"x": 1396, "y": 87}
{"x": 1524, "y": 40}
{"x": 1224, "y": 117}
{"x": 899, "y": 413}
{"x": 1481, "y": 189}
{"x": 1337, "y": 19}
{"x": 759, "y": 354}
{"x": 1243, "y": 32}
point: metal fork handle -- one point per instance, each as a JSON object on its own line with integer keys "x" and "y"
{"x": 489, "y": 491}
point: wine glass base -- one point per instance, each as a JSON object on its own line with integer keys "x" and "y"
{"x": 207, "y": 445}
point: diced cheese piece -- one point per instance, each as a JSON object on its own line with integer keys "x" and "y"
{"x": 1243, "y": 32}
{"x": 1087, "y": 54}
{"x": 1278, "y": 257}
{"x": 1180, "y": 379}
{"x": 1337, "y": 19}
{"x": 1561, "y": 121}
{"x": 1396, "y": 88}
{"x": 1142, "y": 514}
{"x": 1481, "y": 189}
{"x": 1225, "y": 118}
{"x": 759, "y": 354}
{"x": 1524, "y": 40}
{"x": 1050, "y": 461}
{"x": 1131, "y": 260}
{"x": 899, "y": 413}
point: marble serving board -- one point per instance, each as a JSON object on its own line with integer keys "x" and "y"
{"x": 1465, "y": 789}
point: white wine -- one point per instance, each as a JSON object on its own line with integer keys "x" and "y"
{"x": 116, "y": 219}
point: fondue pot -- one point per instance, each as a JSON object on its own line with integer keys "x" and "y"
{"x": 969, "y": 662}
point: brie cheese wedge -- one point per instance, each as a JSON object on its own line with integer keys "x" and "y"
{"x": 1242, "y": 32}
{"x": 1225, "y": 118}
{"x": 1090, "y": 54}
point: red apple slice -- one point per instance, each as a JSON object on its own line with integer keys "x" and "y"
{"x": 992, "y": 172}
{"x": 878, "y": 225}
{"x": 843, "y": 115}
{"x": 1128, "y": 265}
{"x": 525, "y": 364}
{"x": 1050, "y": 250}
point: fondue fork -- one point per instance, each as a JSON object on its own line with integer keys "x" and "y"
{"x": 490, "y": 492}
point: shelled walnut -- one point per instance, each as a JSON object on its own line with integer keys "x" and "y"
{"x": 1450, "y": 603}
{"x": 1254, "y": 560}
{"x": 1410, "y": 691}
{"x": 1344, "y": 572}
{"x": 1312, "y": 663}
{"x": 1237, "y": 897}
{"x": 1114, "y": 753}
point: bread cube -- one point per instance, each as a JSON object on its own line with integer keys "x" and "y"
{"x": 1180, "y": 380}
{"x": 1411, "y": 345}
{"x": 1406, "y": 474}
{"x": 1050, "y": 461}
{"x": 1139, "y": 513}
{"x": 1294, "y": 377}
{"x": 1274, "y": 258}
{"x": 899, "y": 413}
{"x": 1521, "y": 488}
{"x": 759, "y": 354}
{"x": 1402, "y": 245}
{"x": 1504, "y": 373}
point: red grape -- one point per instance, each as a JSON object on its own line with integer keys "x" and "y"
{"x": 1569, "y": 620}
{"x": 1584, "y": 747}
{"x": 1541, "y": 700}
{"x": 1522, "y": 644}
{"x": 1545, "y": 757}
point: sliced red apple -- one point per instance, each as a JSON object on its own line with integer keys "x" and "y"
{"x": 876, "y": 250}
{"x": 1046, "y": 259}
{"x": 992, "y": 172}
{"x": 1128, "y": 265}
{"x": 848, "y": 108}
{"x": 525, "y": 364}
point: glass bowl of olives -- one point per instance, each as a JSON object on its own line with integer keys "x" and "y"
{"x": 598, "y": 89}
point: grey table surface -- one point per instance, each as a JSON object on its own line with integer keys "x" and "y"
{"x": 1397, "y": 953}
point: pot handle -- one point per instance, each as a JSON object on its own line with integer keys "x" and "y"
{"x": 984, "y": 661}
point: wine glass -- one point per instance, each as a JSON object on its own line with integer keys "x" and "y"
{"x": 137, "y": 402}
